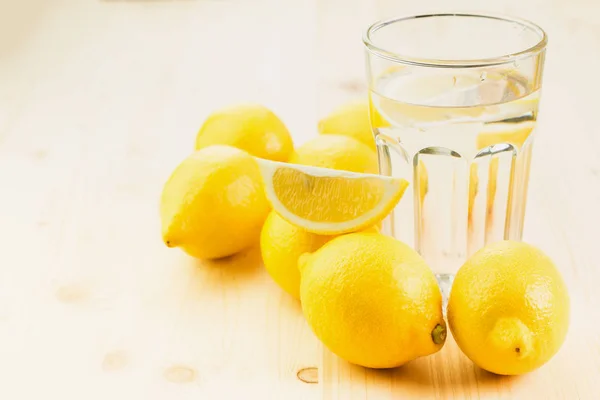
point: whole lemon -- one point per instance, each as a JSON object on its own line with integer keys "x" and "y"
{"x": 214, "y": 205}
{"x": 337, "y": 152}
{"x": 351, "y": 119}
{"x": 250, "y": 127}
{"x": 372, "y": 300}
{"x": 282, "y": 244}
{"x": 509, "y": 308}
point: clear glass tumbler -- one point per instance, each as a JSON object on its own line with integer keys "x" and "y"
{"x": 454, "y": 103}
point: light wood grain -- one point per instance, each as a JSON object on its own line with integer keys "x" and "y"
{"x": 99, "y": 100}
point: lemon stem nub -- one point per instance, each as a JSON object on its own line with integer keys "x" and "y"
{"x": 511, "y": 334}
{"x": 168, "y": 242}
{"x": 438, "y": 334}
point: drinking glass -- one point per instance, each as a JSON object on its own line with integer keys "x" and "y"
{"x": 453, "y": 106}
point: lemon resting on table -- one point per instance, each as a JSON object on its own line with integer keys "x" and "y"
{"x": 315, "y": 211}
{"x": 282, "y": 244}
{"x": 350, "y": 119}
{"x": 214, "y": 205}
{"x": 326, "y": 201}
{"x": 355, "y": 119}
{"x": 372, "y": 300}
{"x": 250, "y": 127}
{"x": 509, "y": 308}
{"x": 337, "y": 152}
{"x": 514, "y": 134}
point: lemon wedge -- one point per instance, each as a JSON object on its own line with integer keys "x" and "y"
{"x": 327, "y": 201}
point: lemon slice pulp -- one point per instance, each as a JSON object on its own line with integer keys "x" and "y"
{"x": 327, "y": 201}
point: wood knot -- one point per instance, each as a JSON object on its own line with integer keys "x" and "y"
{"x": 180, "y": 374}
{"x": 308, "y": 375}
{"x": 71, "y": 294}
{"x": 114, "y": 361}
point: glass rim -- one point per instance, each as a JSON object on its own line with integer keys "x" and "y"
{"x": 459, "y": 63}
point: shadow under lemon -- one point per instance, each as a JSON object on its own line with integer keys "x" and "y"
{"x": 245, "y": 271}
{"x": 213, "y": 205}
{"x": 245, "y": 265}
{"x": 445, "y": 373}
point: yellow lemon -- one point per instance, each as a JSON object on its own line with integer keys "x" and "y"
{"x": 423, "y": 181}
{"x": 214, "y": 204}
{"x": 377, "y": 120}
{"x": 281, "y": 244}
{"x": 473, "y": 189}
{"x": 372, "y": 300}
{"x": 351, "y": 120}
{"x": 327, "y": 201}
{"x": 250, "y": 127}
{"x": 337, "y": 152}
{"x": 509, "y": 308}
{"x": 515, "y": 134}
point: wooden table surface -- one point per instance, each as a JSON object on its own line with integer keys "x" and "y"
{"x": 99, "y": 100}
